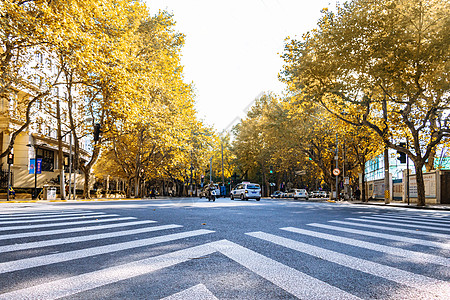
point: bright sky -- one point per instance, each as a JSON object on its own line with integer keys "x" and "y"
{"x": 233, "y": 47}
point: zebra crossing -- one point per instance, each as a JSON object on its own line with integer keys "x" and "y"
{"x": 421, "y": 239}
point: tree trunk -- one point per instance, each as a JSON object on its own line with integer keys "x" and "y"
{"x": 87, "y": 190}
{"x": 363, "y": 187}
{"x": 420, "y": 184}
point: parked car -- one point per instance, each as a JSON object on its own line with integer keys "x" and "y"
{"x": 297, "y": 194}
{"x": 246, "y": 190}
{"x": 315, "y": 194}
{"x": 277, "y": 194}
{"x": 324, "y": 194}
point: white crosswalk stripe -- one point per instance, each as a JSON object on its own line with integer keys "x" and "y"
{"x": 435, "y": 221}
{"x": 47, "y": 216}
{"x": 286, "y": 277}
{"x": 90, "y": 216}
{"x": 417, "y": 257}
{"x": 28, "y": 227}
{"x": 75, "y": 229}
{"x": 196, "y": 292}
{"x": 297, "y": 283}
{"x": 435, "y": 286}
{"x": 400, "y": 224}
{"x": 396, "y": 229}
{"x": 84, "y": 238}
{"x": 382, "y": 235}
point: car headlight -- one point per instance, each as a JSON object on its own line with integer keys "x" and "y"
{"x": 246, "y": 191}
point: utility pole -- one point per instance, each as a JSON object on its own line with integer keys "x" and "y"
{"x": 223, "y": 178}
{"x": 60, "y": 153}
{"x": 336, "y": 157}
{"x": 387, "y": 198}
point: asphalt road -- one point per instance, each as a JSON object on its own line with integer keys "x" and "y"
{"x": 194, "y": 249}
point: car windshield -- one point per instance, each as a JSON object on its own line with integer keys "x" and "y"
{"x": 253, "y": 186}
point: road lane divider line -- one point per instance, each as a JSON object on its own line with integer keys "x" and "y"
{"x": 81, "y": 217}
{"x": 430, "y": 285}
{"x": 396, "y": 238}
{"x": 417, "y": 257}
{"x": 291, "y": 280}
{"x": 28, "y": 227}
{"x": 78, "y": 239}
{"x": 44, "y": 260}
{"x": 75, "y": 229}
{"x": 198, "y": 291}
{"x": 395, "y": 229}
{"x": 87, "y": 281}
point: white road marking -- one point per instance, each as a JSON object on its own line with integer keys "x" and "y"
{"x": 76, "y": 229}
{"x": 46, "y": 243}
{"x": 40, "y": 213}
{"x": 199, "y": 292}
{"x": 435, "y": 221}
{"x": 417, "y": 257}
{"x": 27, "y": 227}
{"x": 430, "y": 285}
{"x": 87, "y": 252}
{"x": 295, "y": 282}
{"x": 76, "y": 284}
{"x": 59, "y": 219}
{"x": 381, "y": 235}
{"x": 46, "y": 216}
{"x": 435, "y": 225}
{"x": 418, "y": 232}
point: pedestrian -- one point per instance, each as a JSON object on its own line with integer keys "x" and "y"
{"x": 11, "y": 192}
{"x": 153, "y": 193}
{"x": 357, "y": 194}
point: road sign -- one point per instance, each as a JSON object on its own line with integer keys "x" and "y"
{"x": 336, "y": 172}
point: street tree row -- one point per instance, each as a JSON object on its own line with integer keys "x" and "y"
{"x": 120, "y": 68}
{"x": 382, "y": 66}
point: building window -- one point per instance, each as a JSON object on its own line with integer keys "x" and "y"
{"x": 48, "y": 159}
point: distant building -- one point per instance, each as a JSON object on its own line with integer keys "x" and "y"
{"x": 40, "y": 139}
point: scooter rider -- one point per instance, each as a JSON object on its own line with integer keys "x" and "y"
{"x": 211, "y": 192}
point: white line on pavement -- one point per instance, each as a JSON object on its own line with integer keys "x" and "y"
{"x": 24, "y": 219}
{"x": 93, "y": 216}
{"x": 39, "y": 213}
{"x": 435, "y": 222}
{"x": 381, "y": 235}
{"x": 46, "y": 243}
{"x": 295, "y": 282}
{"x": 76, "y": 284}
{"x": 199, "y": 292}
{"x": 430, "y": 285}
{"x": 75, "y": 229}
{"x": 26, "y": 227}
{"x": 418, "y": 232}
{"x": 417, "y": 257}
{"x": 436, "y": 226}
{"x": 87, "y": 252}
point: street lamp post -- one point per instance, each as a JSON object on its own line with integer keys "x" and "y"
{"x": 35, "y": 147}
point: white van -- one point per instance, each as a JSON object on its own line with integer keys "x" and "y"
{"x": 245, "y": 191}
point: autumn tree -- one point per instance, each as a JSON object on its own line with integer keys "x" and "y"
{"x": 385, "y": 65}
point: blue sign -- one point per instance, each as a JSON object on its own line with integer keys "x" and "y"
{"x": 34, "y": 166}
{"x": 39, "y": 166}
{"x": 31, "y": 171}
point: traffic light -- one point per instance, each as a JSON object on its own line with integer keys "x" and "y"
{"x": 271, "y": 169}
{"x": 10, "y": 159}
{"x": 97, "y": 132}
{"x": 401, "y": 156}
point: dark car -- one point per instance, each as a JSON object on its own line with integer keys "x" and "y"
{"x": 277, "y": 194}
